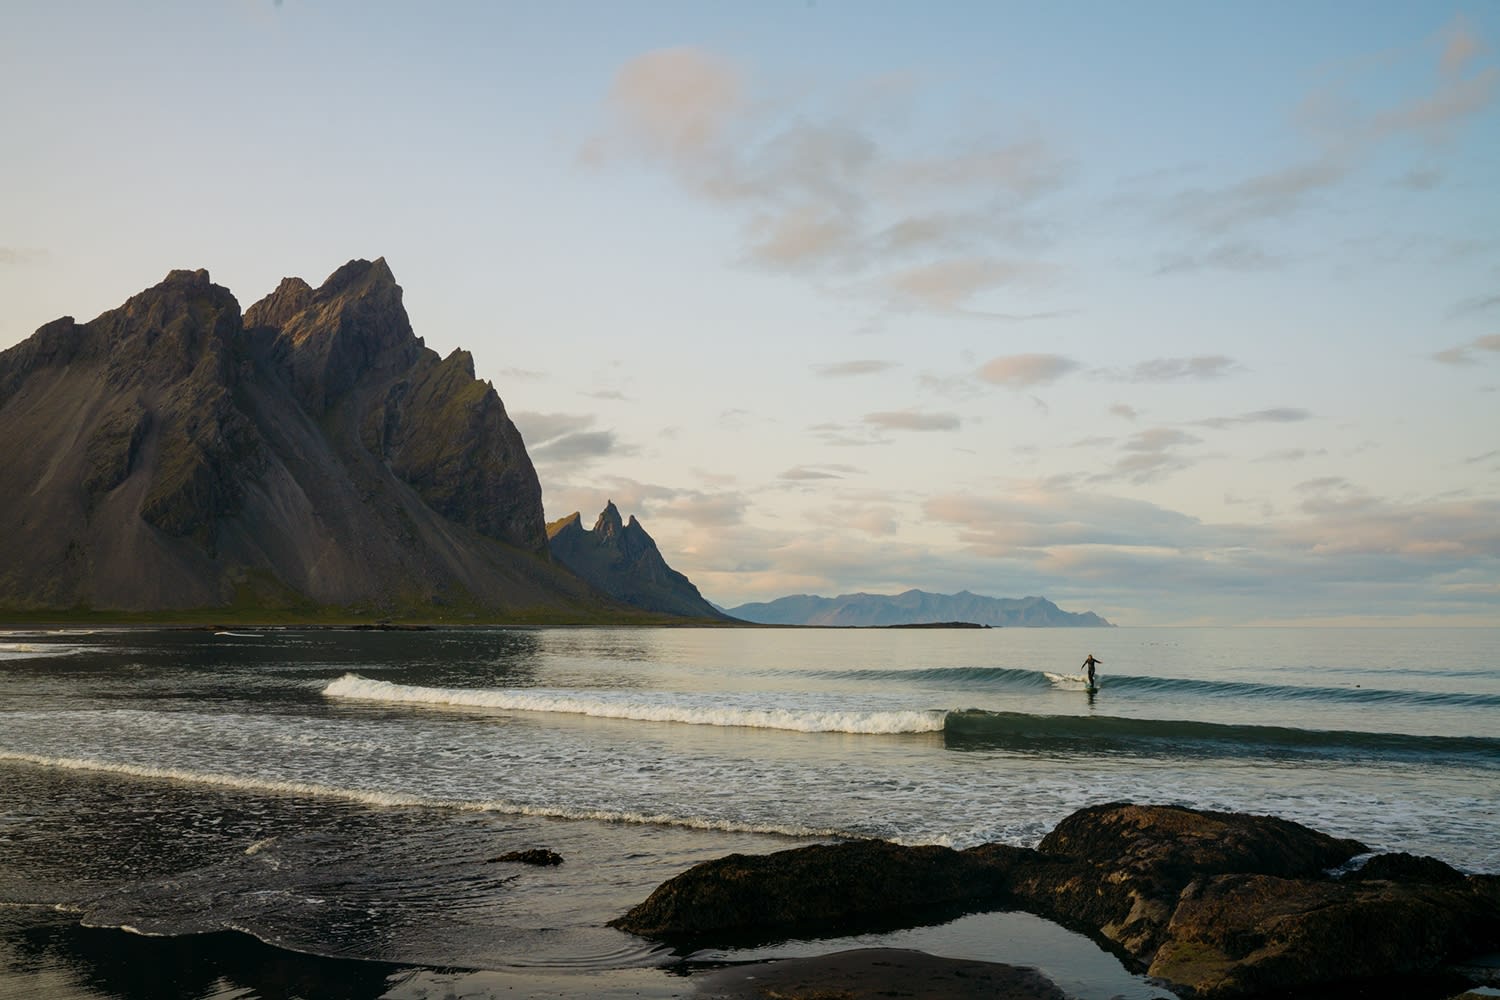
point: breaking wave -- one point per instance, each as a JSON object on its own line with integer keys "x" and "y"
{"x": 690, "y": 710}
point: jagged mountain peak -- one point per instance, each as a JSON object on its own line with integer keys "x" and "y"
{"x": 622, "y": 560}
{"x": 609, "y": 524}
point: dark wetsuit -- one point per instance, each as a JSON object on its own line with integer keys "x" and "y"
{"x": 1088, "y": 665}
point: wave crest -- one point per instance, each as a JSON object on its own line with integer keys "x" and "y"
{"x": 698, "y": 711}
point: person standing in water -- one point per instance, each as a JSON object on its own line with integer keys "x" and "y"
{"x": 1088, "y": 666}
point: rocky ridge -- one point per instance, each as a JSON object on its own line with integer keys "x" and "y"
{"x": 311, "y": 453}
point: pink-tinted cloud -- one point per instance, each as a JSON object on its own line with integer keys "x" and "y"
{"x": 1019, "y": 371}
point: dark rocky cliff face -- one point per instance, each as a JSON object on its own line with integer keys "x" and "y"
{"x": 170, "y": 454}
{"x": 623, "y": 561}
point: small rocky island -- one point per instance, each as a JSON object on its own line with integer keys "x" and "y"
{"x": 1214, "y": 905}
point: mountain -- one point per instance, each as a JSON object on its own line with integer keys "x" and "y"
{"x": 912, "y": 607}
{"x": 312, "y": 453}
{"x": 623, "y": 561}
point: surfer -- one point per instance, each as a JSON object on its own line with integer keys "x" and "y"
{"x": 1088, "y": 665}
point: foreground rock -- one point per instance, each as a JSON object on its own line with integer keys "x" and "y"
{"x": 1218, "y": 905}
{"x": 826, "y": 888}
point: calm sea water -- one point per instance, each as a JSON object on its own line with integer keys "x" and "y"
{"x": 341, "y": 793}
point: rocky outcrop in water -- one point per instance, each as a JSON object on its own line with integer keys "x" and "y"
{"x": 1219, "y": 905}
{"x": 314, "y": 453}
{"x": 623, "y": 561}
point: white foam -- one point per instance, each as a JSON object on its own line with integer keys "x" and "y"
{"x": 1067, "y": 680}
{"x": 260, "y": 845}
{"x": 665, "y": 708}
{"x": 29, "y": 650}
{"x": 374, "y": 797}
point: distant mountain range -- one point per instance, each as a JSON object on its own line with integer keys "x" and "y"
{"x": 913, "y": 607}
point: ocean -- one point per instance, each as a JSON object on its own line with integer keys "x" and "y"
{"x": 288, "y": 812}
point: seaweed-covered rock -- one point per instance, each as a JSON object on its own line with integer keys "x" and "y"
{"x": 1248, "y": 935}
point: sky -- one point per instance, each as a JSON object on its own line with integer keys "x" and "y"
{"x": 1182, "y": 313}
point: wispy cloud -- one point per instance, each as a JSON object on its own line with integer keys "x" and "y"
{"x": 1151, "y": 455}
{"x": 859, "y": 367}
{"x": 1471, "y": 353}
{"x": 1237, "y": 255}
{"x": 539, "y": 428}
{"x": 910, "y": 420}
{"x": 803, "y": 473}
{"x": 1477, "y": 304}
{"x": 1351, "y": 122}
{"x": 577, "y": 447}
{"x": 949, "y": 285}
{"x": 1207, "y": 366}
{"x": 1274, "y": 415}
{"x": 522, "y": 374}
{"x": 819, "y": 187}
{"x": 17, "y": 256}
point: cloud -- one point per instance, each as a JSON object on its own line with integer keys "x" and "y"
{"x": 539, "y": 428}
{"x": 1479, "y": 303}
{"x": 1460, "y": 46}
{"x": 710, "y": 510}
{"x": 878, "y": 521}
{"x": 18, "y": 256}
{"x": 1274, "y": 194}
{"x": 908, "y": 420}
{"x": 1353, "y": 558}
{"x": 1124, "y": 411}
{"x": 1419, "y": 179}
{"x": 1018, "y": 371}
{"x": 1464, "y": 354}
{"x": 843, "y": 436}
{"x": 1274, "y": 415}
{"x": 577, "y": 447}
{"x": 809, "y": 472}
{"x": 677, "y": 104}
{"x": 654, "y": 502}
{"x": 522, "y": 374}
{"x": 1025, "y": 168}
{"x": 820, "y": 185}
{"x": 1151, "y": 455}
{"x": 1159, "y": 439}
{"x": 1291, "y": 455}
{"x": 860, "y": 367}
{"x": 1355, "y": 121}
{"x": 947, "y": 285}
{"x": 1207, "y": 366}
{"x": 1232, "y": 256}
